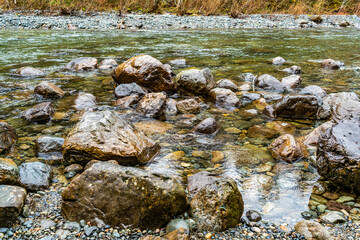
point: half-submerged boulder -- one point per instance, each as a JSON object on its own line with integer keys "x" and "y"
{"x": 123, "y": 196}
{"x": 297, "y": 106}
{"x": 338, "y": 154}
{"x": 287, "y": 148}
{"x": 269, "y": 83}
{"x": 195, "y": 81}
{"x": 224, "y": 98}
{"x": 105, "y": 135}
{"x": 330, "y": 64}
{"x": 7, "y": 136}
{"x": 48, "y": 90}
{"x": 82, "y": 64}
{"x": 29, "y": 72}
{"x": 12, "y": 199}
{"x": 146, "y": 71}
{"x": 42, "y": 112}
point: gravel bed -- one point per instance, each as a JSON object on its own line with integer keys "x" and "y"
{"x": 110, "y": 20}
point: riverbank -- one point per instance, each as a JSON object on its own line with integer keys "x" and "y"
{"x": 110, "y": 20}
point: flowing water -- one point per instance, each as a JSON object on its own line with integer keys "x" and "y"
{"x": 278, "y": 190}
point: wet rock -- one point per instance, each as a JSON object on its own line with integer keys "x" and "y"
{"x": 297, "y": 106}
{"x": 253, "y": 216}
{"x": 105, "y": 135}
{"x": 176, "y": 224}
{"x": 287, "y": 148}
{"x": 82, "y": 64}
{"x": 153, "y": 126}
{"x": 170, "y": 107}
{"x": 124, "y": 90}
{"x": 123, "y": 195}
{"x": 332, "y": 218}
{"x": 29, "y": 72}
{"x": 336, "y": 206}
{"x": 217, "y": 205}
{"x": 127, "y": 102}
{"x": 42, "y": 112}
{"x": 247, "y": 77}
{"x": 85, "y": 101}
{"x": 198, "y": 181}
{"x": 73, "y": 168}
{"x": 12, "y": 199}
{"x": 331, "y": 101}
{"x": 9, "y": 172}
{"x": 178, "y": 62}
{"x": 260, "y": 131}
{"x": 248, "y": 113}
{"x": 249, "y": 97}
{"x": 278, "y": 61}
{"x": 259, "y": 183}
{"x": 207, "y": 126}
{"x": 338, "y": 154}
{"x": 228, "y": 84}
{"x": 291, "y": 81}
{"x": 35, "y": 176}
{"x": 7, "y": 136}
{"x": 48, "y": 90}
{"x": 281, "y": 127}
{"x": 146, "y": 71}
{"x": 270, "y": 83}
{"x": 293, "y": 70}
{"x": 312, "y": 139}
{"x": 195, "y": 81}
{"x": 48, "y": 144}
{"x": 188, "y": 106}
{"x": 349, "y": 109}
{"x": 224, "y": 98}
{"x": 313, "y": 90}
{"x": 330, "y": 64}
{"x": 312, "y": 230}
{"x": 107, "y": 64}
{"x": 152, "y": 105}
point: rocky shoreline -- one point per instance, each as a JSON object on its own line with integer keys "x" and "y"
{"x": 111, "y": 20}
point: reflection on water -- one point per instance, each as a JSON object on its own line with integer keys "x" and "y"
{"x": 279, "y": 190}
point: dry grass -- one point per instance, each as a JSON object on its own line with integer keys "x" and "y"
{"x": 234, "y": 8}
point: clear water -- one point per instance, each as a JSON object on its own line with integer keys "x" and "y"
{"x": 280, "y": 196}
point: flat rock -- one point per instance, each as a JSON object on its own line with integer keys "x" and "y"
{"x": 228, "y": 84}
{"x": 127, "y": 102}
{"x": 297, "y": 106}
{"x": 269, "y": 83}
{"x": 332, "y": 218}
{"x": 188, "y": 106}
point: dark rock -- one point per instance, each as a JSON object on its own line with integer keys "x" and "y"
{"x": 217, "y": 205}
{"x": 317, "y": 19}
{"x": 297, "y": 106}
{"x": 29, "y": 72}
{"x": 7, "y": 136}
{"x": 85, "y": 101}
{"x": 207, "y": 126}
{"x": 152, "y": 105}
{"x": 106, "y": 135}
{"x": 224, "y": 98}
{"x": 48, "y": 144}
{"x": 124, "y": 90}
{"x": 336, "y": 206}
{"x": 48, "y": 90}
{"x": 170, "y": 107}
{"x": 313, "y": 90}
{"x": 331, "y": 101}
{"x": 338, "y": 154}
{"x": 293, "y": 70}
{"x": 330, "y": 64}
{"x": 270, "y": 83}
{"x": 188, "y": 106}
{"x": 291, "y": 82}
{"x": 253, "y": 216}
{"x": 42, "y": 112}
{"x": 119, "y": 195}
{"x": 228, "y": 84}
{"x": 312, "y": 230}
{"x": 146, "y": 71}
{"x": 127, "y": 102}
{"x": 82, "y": 64}
{"x": 107, "y": 64}
{"x": 195, "y": 81}
{"x": 35, "y": 176}
{"x": 9, "y": 172}
{"x": 278, "y": 61}
{"x": 12, "y": 199}
{"x": 287, "y": 148}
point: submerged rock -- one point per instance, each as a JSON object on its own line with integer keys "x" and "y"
{"x": 118, "y": 195}
{"x": 107, "y": 64}
{"x": 293, "y": 70}
{"x": 297, "y": 106}
{"x": 312, "y": 230}
{"x": 217, "y": 205}
{"x": 106, "y": 135}
{"x": 146, "y": 71}
{"x": 48, "y": 90}
{"x": 260, "y": 131}
{"x": 12, "y": 199}
{"x": 287, "y": 148}
{"x": 207, "y": 126}
{"x": 29, "y": 72}
{"x": 224, "y": 98}
{"x": 82, "y": 64}
{"x": 330, "y": 64}
{"x": 152, "y": 105}
{"x": 253, "y": 216}
{"x": 9, "y": 172}
{"x": 338, "y": 154}
{"x": 195, "y": 81}
{"x": 42, "y": 112}
{"x": 35, "y": 176}
{"x": 7, "y": 136}
{"x": 124, "y": 90}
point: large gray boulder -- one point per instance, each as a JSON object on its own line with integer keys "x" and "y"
{"x": 35, "y": 176}
{"x": 123, "y": 196}
{"x": 7, "y": 136}
{"x": 105, "y": 135}
{"x": 12, "y": 199}
{"x": 195, "y": 81}
{"x": 331, "y": 101}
